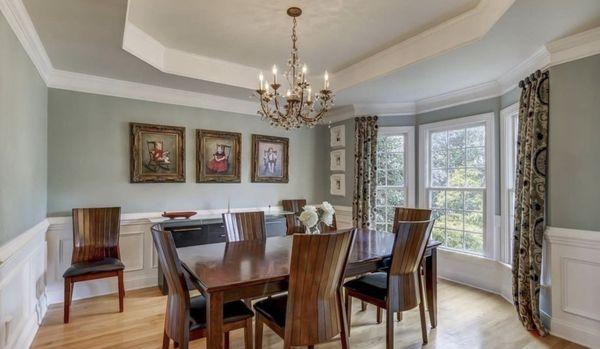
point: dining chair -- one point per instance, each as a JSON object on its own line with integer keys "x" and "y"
{"x": 402, "y": 214}
{"x": 244, "y": 226}
{"x": 312, "y": 311}
{"x": 185, "y": 318}
{"x": 293, "y": 224}
{"x": 95, "y": 251}
{"x": 402, "y": 287}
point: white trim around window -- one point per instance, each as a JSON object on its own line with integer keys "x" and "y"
{"x": 409, "y": 153}
{"x": 507, "y": 169}
{"x": 487, "y": 120}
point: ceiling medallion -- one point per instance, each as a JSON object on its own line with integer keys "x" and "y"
{"x": 298, "y": 107}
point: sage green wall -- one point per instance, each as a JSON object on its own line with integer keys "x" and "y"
{"x": 88, "y": 153}
{"x": 574, "y": 145}
{"x": 23, "y": 125}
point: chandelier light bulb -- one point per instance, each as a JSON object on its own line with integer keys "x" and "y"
{"x": 288, "y": 93}
{"x": 326, "y": 81}
{"x": 261, "y": 77}
{"x": 304, "y": 69}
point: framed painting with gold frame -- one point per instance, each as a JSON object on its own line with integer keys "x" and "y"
{"x": 218, "y": 156}
{"x": 157, "y": 153}
{"x": 270, "y": 159}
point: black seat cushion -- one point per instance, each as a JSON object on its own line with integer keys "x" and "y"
{"x": 385, "y": 264}
{"x": 232, "y": 312}
{"x": 273, "y": 308}
{"x": 373, "y": 285}
{"x": 106, "y": 264}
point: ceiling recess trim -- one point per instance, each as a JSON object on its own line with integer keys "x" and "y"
{"x": 461, "y": 30}
{"x": 456, "y": 32}
{"x": 557, "y": 52}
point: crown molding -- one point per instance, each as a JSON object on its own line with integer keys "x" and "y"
{"x": 556, "y": 52}
{"x": 126, "y": 89}
{"x": 385, "y": 109}
{"x": 466, "y": 95}
{"x": 539, "y": 60}
{"x": 574, "y": 47}
{"x": 18, "y": 19}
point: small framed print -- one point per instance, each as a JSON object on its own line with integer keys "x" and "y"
{"x": 338, "y": 136}
{"x": 338, "y": 185}
{"x": 218, "y": 156}
{"x": 338, "y": 160}
{"x": 157, "y": 153}
{"x": 269, "y": 159}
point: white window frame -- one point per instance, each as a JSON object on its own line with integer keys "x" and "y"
{"x": 409, "y": 157}
{"x": 507, "y": 138}
{"x": 487, "y": 120}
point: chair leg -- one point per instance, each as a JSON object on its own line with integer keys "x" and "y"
{"x": 121, "y": 290}
{"x": 389, "y": 329}
{"x": 399, "y": 316}
{"x": 258, "y": 335}
{"x": 226, "y": 340}
{"x": 68, "y": 296}
{"x": 379, "y": 315}
{"x": 348, "y": 301}
{"x": 422, "y": 310}
{"x": 166, "y": 341}
{"x": 248, "y": 335}
{"x": 345, "y": 323}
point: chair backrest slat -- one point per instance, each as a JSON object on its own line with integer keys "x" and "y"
{"x": 177, "y": 317}
{"x": 245, "y": 226}
{"x": 405, "y": 214}
{"x": 317, "y": 267}
{"x": 95, "y": 234}
{"x": 293, "y": 223}
{"x": 410, "y": 242}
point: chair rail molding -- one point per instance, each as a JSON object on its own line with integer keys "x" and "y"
{"x": 575, "y": 284}
{"x": 23, "y": 301}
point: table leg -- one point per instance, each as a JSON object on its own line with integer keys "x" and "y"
{"x": 431, "y": 285}
{"x": 214, "y": 320}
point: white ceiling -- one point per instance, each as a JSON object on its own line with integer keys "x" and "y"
{"x": 86, "y": 36}
{"x": 331, "y": 34}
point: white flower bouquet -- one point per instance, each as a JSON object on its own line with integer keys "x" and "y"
{"x": 311, "y": 216}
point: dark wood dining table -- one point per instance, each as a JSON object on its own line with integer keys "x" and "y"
{"x": 249, "y": 269}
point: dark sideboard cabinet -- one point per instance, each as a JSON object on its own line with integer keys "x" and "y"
{"x": 192, "y": 232}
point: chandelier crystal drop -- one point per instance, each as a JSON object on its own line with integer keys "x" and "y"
{"x": 298, "y": 106}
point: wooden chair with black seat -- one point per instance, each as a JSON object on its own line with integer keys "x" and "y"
{"x": 294, "y": 225}
{"x": 95, "y": 251}
{"x": 402, "y": 214}
{"x": 401, "y": 288}
{"x": 312, "y": 311}
{"x": 185, "y": 318}
{"x": 245, "y": 226}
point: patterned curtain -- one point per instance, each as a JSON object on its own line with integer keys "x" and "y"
{"x": 365, "y": 154}
{"x": 530, "y": 199}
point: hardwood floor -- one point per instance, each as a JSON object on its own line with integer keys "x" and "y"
{"x": 468, "y": 318}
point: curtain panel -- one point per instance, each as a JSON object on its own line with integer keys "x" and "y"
{"x": 365, "y": 168}
{"x": 530, "y": 198}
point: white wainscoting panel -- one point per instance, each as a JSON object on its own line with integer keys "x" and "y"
{"x": 575, "y": 285}
{"x": 22, "y": 288}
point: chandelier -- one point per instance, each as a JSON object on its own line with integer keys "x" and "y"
{"x": 298, "y": 107}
